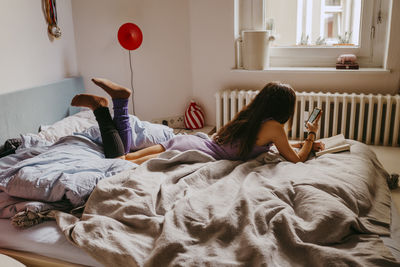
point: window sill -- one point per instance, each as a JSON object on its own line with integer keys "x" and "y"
{"x": 317, "y": 70}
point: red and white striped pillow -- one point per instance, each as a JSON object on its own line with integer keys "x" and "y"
{"x": 194, "y": 116}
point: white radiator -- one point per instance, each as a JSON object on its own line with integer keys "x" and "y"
{"x": 372, "y": 119}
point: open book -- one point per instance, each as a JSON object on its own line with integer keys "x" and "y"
{"x": 333, "y": 144}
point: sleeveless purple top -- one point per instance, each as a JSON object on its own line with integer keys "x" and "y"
{"x": 210, "y": 147}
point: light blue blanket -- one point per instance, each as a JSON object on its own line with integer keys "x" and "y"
{"x": 44, "y": 175}
{"x": 65, "y": 171}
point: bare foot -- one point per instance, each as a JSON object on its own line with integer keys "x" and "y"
{"x": 113, "y": 89}
{"x": 91, "y": 101}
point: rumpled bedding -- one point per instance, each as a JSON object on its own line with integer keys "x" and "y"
{"x": 186, "y": 209}
{"x": 59, "y": 167}
{"x": 44, "y": 175}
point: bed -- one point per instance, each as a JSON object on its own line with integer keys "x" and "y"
{"x": 184, "y": 209}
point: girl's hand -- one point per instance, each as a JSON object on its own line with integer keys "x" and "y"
{"x": 313, "y": 127}
{"x": 318, "y": 145}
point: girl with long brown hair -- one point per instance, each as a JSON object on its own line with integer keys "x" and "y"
{"x": 262, "y": 121}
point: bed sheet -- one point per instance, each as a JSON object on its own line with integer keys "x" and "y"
{"x": 45, "y": 239}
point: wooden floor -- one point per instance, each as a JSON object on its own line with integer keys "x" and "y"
{"x": 23, "y": 258}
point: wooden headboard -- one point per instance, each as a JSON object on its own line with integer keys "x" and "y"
{"x": 25, "y": 110}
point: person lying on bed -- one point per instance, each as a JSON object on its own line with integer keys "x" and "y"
{"x": 253, "y": 130}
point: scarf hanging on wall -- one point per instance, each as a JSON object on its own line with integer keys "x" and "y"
{"x": 51, "y": 17}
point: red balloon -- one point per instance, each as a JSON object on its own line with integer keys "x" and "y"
{"x": 130, "y": 36}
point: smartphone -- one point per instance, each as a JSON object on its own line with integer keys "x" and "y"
{"x": 313, "y": 116}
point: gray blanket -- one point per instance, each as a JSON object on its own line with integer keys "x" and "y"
{"x": 185, "y": 209}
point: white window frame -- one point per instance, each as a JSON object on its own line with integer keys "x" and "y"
{"x": 250, "y": 15}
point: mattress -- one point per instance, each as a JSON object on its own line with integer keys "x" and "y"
{"x": 44, "y": 239}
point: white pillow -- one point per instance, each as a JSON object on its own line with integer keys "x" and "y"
{"x": 78, "y": 122}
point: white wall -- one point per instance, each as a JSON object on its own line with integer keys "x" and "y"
{"x": 28, "y": 56}
{"x": 161, "y": 66}
{"x": 187, "y": 52}
{"x": 213, "y": 54}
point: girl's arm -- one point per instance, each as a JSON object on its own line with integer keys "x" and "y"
{"x": 318, "y": 145}
{"x": 274, "y": 131}
{"x": 285, "y": 149}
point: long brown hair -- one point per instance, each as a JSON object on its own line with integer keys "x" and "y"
{"x": 275, "y": 100}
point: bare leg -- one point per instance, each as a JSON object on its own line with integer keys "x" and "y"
{"x": 145, "y": 158}
{"x": 152, "y": 150}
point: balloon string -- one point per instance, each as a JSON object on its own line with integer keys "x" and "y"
{"x": 133, "y": 91}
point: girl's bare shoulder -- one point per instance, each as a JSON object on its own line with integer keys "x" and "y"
{"x": 269, "y": 131}
{"x": 271, "y": 125}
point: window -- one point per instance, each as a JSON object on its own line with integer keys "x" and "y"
{"x": 313, "y": 33}
{"x": 322, "y": 22}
